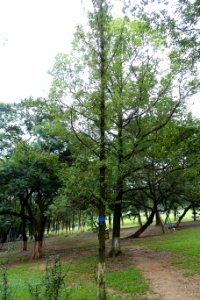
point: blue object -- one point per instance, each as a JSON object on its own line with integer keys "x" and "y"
{"x": 102, "y": 219}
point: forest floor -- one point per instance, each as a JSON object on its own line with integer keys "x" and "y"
{"x": 166, "y": 281}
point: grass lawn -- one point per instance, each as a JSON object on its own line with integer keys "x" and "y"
{"x": 79, "y": 260}
{"x": 80, "y": 279}
{"x": 79, "y": 266}
{"x": 184, "y": 243}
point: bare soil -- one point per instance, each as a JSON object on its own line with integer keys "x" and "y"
{"x": 165, "y": 282}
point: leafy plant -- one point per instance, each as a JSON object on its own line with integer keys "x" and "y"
{"x": 4, "y": 285}
{"x": 53, "y": 282}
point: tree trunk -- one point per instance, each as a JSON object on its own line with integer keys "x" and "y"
{"x": 48, "y": 226}
{"x": 101, "y": 263}
{"x": 79, "y": 220}
{"x": 25, "y": 245}
{"x": 146, "y": 213}
{"x": 158, "y": 221}
{"x": 115, "y": 246}
{"x": 102, "y": 40}
{"x": 194, "y": 212}
{"x": 38, "y": 251}
{"x": 110, "y": 221}
{"x": 175, "y": 214}
{"x": 139, "y": 219}
{"x": 39, "y": 235}
{"x": 161, "y": 222}
{"x": 183, "y": 215}
{"x": 144, "y": 227}
{"x": 24, "y": 235}
{"x": 122, "y": 219}
{"x": 167, "y": 217}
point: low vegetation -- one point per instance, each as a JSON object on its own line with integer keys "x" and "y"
{"x": 79, "y": 260}
{"x": 77, "y": 275}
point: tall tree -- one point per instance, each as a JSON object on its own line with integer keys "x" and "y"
{"x": 88, "y": 73}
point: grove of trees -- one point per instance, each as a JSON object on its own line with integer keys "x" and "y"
{"x": 114, "y": 134}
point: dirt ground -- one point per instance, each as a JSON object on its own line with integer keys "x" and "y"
{"x": 165, "y": 281}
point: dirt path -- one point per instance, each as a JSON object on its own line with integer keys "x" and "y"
{"x": 165, "y": 282}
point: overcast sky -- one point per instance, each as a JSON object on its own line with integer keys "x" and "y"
{"x": 32, "y": 32}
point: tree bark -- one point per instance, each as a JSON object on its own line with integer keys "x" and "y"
{"x": 139, "y": 219}
{"x": 175, "y": 214}
{"x": 110, "y": 220}
{"x": 39, "y": 235}
{"x": 183, "y": 215}
{"x": 144, "y": 227}
{"x": 161, "y": 222}
{"x": 101, "y": 13}
{"x": 24, "y": 235}
{"x": 194, "y": 212}
{"x": 146, "y": 213}
{"x": 115, "y": 246}
{"x": 158, "y": 221}
{"x": 38, "y": 251}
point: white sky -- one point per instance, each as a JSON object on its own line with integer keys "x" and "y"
{"x": 35, "y": 30}
{"x": 32, "y": 32}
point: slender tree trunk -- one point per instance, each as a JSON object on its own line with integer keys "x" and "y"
{"x": 175, "y": 214}
{"x": 115, "y": 246}
{"x": 122, "y": 219}
{"x": 183, "y": 215}
{"x": 144, "y": 227}
{"x": 79, "y": 220}
{"x": 167, "y": 217}
{"x": 48, "y": 226}
{"x": 146, "y": 213}
{"x": 110, "y": 221}
{"x": 101, "y": 263}
{"x": 24, "y": 235}
{"x": 158, "y": 221}
{"x": 139, "y": 219}
{"x": 194, "y": 212}
{"x": 102, "y": 154}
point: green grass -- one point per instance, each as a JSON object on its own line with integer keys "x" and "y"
{"x": 80, "y": 279}
{"x": 185, "y": 243}
{"x": 129, "y": 281}
{"x": 20, "y": 276}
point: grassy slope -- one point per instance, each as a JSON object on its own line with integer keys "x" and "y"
{"x": 184, "y": 243}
